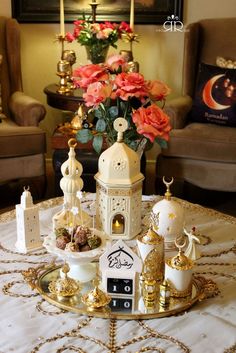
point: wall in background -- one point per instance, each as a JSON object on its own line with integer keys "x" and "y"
{"x": 159, "y": 53}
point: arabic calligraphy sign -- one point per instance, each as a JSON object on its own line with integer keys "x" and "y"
{"x": 119, "y": 266}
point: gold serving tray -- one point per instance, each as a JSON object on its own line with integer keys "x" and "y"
{"x": 40, "y": 278}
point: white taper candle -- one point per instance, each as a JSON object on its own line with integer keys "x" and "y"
{"x": 131, "y": 22}
{"x": 62, "y": 18}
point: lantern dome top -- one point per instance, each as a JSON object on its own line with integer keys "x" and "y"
{"x": 119, "y": 164}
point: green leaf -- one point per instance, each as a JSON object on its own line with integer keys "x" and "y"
{"x": 113, "y": 112}
{"x": 98, "y": 113}
{"x": 84, "y": 135}
{"x": 161, "y": 143}
{"x": 123, "y": 106}
{"x": 101, "y": 125}
{"x": 97, "y": 143}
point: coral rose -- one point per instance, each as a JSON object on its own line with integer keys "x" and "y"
{"x": 157, "y": 90}
{"x": 130, "y": 85}
{"x": 88, "y": 74}
{"x": 152, "y": 122}
{"x": 114, "y": 62}
{"x": 97, "y": 93}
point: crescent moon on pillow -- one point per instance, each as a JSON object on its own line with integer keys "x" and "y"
{"x": 207, "y": 96}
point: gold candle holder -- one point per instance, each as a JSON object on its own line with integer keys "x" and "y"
{"x": 61, "y": 39}
{"x": 94, "y": 5}
{"x": 63, "y": 70}
{"x": 133, "y": 66}
{"x": 70, "y": 57}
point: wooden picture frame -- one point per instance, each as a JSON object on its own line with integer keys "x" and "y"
{"x": 146, "y": 11}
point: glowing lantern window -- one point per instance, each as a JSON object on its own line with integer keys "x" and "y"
{"x": 118, "y": 224}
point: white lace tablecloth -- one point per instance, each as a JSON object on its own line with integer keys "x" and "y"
{"x": 29, "y": 324}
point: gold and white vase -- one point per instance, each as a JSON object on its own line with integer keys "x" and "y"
{"x": 179, "y": 273}
{"x": 151, "y": 250}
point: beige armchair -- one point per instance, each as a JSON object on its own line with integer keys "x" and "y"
{"x": 22, "y": 142}
{"x": 203, "y": 154}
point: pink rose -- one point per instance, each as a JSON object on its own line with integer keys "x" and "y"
{"x": 88, "y": 74}
{"x": 114, "y": 62}
{"x": 69, "y": 37}
{"x": 97, "y": 93}
{"x": 152, "y": 122}
{"x": 79, "y": 22}
{"x": 95, "y": 27}
{"x": 107, "y": 24}
{"x": 157, "y": 90}
{"x": 104, "y": 34}
{"x": 130, "y": 85}
{"x": 124, "y": 27}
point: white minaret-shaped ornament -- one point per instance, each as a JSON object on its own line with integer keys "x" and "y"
{"x": 27, "y": 220}
{"x": 71, "y": 183}
{"x": 119, "y": 188}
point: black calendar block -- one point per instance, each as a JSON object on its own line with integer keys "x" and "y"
{"x": 120, "y": 286}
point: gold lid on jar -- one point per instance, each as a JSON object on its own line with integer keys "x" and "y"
{"x": 96, "y": 298}
{"x": 64, "y": 287}
{"x": 180, "y": 262}
{"x": 151, "y": 237}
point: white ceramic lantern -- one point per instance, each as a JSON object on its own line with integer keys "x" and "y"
{"x": 170, "y": 217}
{"x": 119, "y": 189}
{"x": 179, "y": 272}
{"x": 27, "y": 220}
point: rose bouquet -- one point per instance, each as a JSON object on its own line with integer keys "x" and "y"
{"x": 110, "y": 92}
{"x": 97, "y": 37}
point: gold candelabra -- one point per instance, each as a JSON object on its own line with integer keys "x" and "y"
{"x": 94, "y": 5}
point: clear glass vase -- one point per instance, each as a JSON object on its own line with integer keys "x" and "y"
{"x": 97, "y": 54}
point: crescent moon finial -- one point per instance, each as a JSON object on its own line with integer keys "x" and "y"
{"x": 179, "y": 245}
{"x": 26, "y": 188}
{"x": 168, "y": 184}
{"x": 72, "y": 143}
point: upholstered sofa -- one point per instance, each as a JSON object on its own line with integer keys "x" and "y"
{"x": 22, "y": 142}
{"x": 201, "y": 153}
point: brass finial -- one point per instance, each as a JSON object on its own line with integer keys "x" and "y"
{"x": 168, "y": 184}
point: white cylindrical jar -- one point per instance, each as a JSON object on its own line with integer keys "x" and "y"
{"x": 151, "y": 250}
{"x": 179, "y": 272}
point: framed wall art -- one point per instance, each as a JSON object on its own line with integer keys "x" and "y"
{"x": 146, "y": 11}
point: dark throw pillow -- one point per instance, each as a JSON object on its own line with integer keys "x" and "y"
{"x": 215, "y": 98}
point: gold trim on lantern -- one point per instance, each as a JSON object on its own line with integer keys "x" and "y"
{"x": 151, "y": 237}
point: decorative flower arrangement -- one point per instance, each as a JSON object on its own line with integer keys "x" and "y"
{"x": 97, "y": 37}
{"x": 111, "y": 92}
